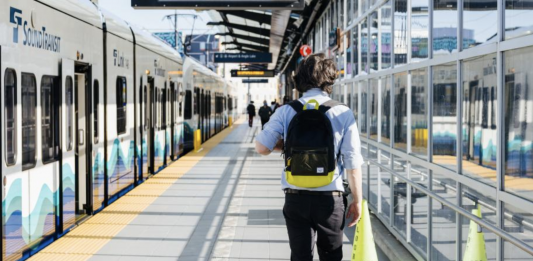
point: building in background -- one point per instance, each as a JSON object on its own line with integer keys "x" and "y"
{"x": 202, "y": 48}
{"x": 170, "y": 39}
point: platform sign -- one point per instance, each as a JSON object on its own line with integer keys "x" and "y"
{"x": 220, "y": 4}
{"x": 252, "y": 74}
{"x": 252, "y": 57}
{"x": 255, "y": 81}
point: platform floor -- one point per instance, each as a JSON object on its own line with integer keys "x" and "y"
{"x": 222, "y": 203}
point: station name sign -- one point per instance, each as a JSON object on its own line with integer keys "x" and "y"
{"x": 262, "y": 74}
{"x": 255, "y": 81}
{"x": 243, "y": 57}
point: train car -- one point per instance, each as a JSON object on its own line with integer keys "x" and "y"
{"x": 91, "y": 106}
{"x": 51, "y": 61}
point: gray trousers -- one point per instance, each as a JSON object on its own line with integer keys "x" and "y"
{"x": 310, "y": 215}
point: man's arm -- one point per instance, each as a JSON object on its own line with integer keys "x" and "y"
{"x": 355, "y": 182}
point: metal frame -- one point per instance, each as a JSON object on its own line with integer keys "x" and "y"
{"x": 501, "y": 197}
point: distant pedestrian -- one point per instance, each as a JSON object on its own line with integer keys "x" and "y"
{"x": 273, "y": 106}
{"x": 251, "y": 113}
{"x": 264, "y": 114}
{"x": 315, "y": 133}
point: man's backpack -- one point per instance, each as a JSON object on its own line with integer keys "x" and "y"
{"x": 310, "y": 159}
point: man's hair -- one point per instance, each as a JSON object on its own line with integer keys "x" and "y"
{"x": 315, "y": 71}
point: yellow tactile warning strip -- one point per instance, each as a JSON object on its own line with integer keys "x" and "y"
{"x": 85, "y": 240}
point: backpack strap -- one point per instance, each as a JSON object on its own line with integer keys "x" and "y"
{"x": 330, "y": 104}
{"x": 296, "y": 105}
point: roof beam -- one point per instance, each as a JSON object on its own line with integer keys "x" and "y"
{"x": 258, "y": 17}
{"x": 262, "y": 41}
{"x": 251, "y": 46}
{"x": 251, "y": 29}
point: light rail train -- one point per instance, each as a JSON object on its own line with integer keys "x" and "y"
{"x": 90, "y": 107}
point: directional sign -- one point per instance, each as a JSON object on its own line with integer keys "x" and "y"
{"x": 305, "y": 50}
{"x": 262, "y": 74}
{"x": 255, "y": 81}
{"x": 243, "y": 57}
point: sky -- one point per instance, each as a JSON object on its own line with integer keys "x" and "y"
{"x": 152, "y": 20}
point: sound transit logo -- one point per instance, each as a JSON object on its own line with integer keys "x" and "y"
{"x": 32, "y": 37}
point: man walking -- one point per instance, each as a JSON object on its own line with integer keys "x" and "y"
{"x": 251, "y": 113}
{"x": 264, "y": 114}
{"x": 320, "y": 141}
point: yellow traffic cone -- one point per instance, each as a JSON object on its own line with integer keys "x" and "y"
{"x": 475, "y": 246}
{"x": 364, "y": 248}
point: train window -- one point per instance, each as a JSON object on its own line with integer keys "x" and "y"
{"x": 49, "y": 119}
{"x": 188, "y": 101}
{"x": 10, "y": 112}
{"x": 485, "y": 108}
{"x": 196, "y": 103}
{"x": 493, "y": 108}
{"x": 121, "y": 105}
{"x": 69, "y": 99}
{"x": 29, "y": 110}
{"x": 179, "y": 94}
{"x": 146, "y": 108}
{"x": 96, "y": 104}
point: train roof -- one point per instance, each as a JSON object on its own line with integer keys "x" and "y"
{"x": 200, "y": 68}
{"x": 117, "y": 26}
{"x": 150, "y": 42}
{"x": 83, "y": 10}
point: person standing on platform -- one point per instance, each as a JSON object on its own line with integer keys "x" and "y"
{"x": 264, "y": 114}
{"x": 320, "y": 142}
{"x": 251, "y": 113}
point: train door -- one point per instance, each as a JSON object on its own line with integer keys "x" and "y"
{"x": 143, "y": 127}
{"x": 163, "y": 125}
{"x": 82, "y": 150}
{"x": 150, "y": 121}
{"x": 202, "y": 114}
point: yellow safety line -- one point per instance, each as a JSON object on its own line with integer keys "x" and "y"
{"x": 87, "y": 239}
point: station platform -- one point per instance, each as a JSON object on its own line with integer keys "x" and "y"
{"x": 221, "y": 203}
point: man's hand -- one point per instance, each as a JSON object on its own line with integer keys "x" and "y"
{"x": 354, "y": 211}
{"x": 279, "y": 145}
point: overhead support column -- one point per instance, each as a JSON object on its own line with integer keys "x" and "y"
{"x": 280, "y": 20}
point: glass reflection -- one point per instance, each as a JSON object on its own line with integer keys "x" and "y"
{"x": 419, "y": 112}
{"x": 519, "y": 122}
{"x": 385, "y": 31}
{"x": 443, "y": 230}
{"x": 355, "y": 50}
{"x": 385, "y": 109}
{"x": 479, "y": 22}
{"x": 419, "y": 221}
{"x": 479, "y": 118}
{"x": 349, "y": 64}
{"x": 374, "y": 94}
{"x": 400, "y": 32}
{"x": 364, "y": 47}
{"x": 374, "y": 45}
{"x": 519, "y": 226}
{"x": 364, "y": 100}
{"x": 400, "y": 111}
{"x": 355, "y": 103}
{"x": 374, "y": 177}
{"x": 444, "y": 115}
{"x": 384, "y": 192}
{"x": 444, "y": 27}
{"x": 419, "y": 30}
{"x": 400, "y": 206}
{"x": 518, "y": 18}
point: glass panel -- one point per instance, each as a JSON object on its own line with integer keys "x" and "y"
{"x": 49, "y": 120}
{"x": 364, "y": 5}
{"x": 400, "y": 32}
{"x": 364, "y": 46}
{"x": 69, "y": 97}
{"x": 356, "y": 7}
{"x": 355, "y": 50}
{"x": 519, "y": 223}
{"x": 419, "y": 30}
{"x": 374, "y": 177}
{"x": 29, "y": 110}
{"x": 513, "y": 253}
{"x": 349, "y": 12}
{"x": 419, "y": 221}
{"x": 518, "y": 122}
{"x": 349, "y": 56}
{"x": 518, "y": 18}
{"x": 400, "y": 111}
{"x": 96, "y": 106}
{"x": 444, "y": 27}
{"x": 385, "y": 193}
{"x": 355, "y": 104}
{"x": 374, "y": 41}
{"x": 479, "y": 118}
{"x": 385, "y": 109}
{"x": 419, "y": 112}
{"x": 479, "y": 22}
{"x": 444, "y": 187}
{"x": 385, "y": 30}
{"x": 364, "y": 100}
{"x": 121, "y": 105}
{"x": 444, "y": 231}
{"x": 472, "y": 199}
{"x": 10, "y": 116}
{"x": 444, "y": 115}
{"x": 400, "y": 206}
{"x": 399, "y": 165}
{"x": 374, "y": 94}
